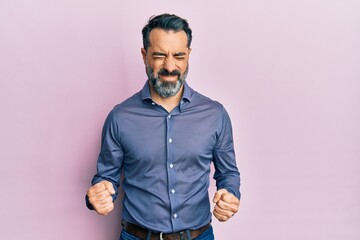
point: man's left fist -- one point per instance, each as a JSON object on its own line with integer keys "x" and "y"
{"x": 226, "y": 205}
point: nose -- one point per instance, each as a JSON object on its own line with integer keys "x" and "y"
{"x": 169, "y": 64}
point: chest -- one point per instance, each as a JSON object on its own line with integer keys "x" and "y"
{"x": 182, "y": 136}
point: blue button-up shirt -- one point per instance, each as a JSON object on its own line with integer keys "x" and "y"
{"x": 166, "y": 159}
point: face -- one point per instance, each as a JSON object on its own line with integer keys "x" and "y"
{"x": 166, "y": 61}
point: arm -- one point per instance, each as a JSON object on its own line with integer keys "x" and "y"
{"x": 227, "y": 176}
{"x": 106, "y": 181}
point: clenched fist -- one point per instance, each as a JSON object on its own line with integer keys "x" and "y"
{"x": 100, "y": 197}
{"x": 226, "y": 205}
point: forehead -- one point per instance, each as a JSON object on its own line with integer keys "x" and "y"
{"x": 167, "y": 40}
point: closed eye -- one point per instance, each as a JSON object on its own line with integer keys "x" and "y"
{"x": 180, "y": 55}
{"x": 160, "y": 56}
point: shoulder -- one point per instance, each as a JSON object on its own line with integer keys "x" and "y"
{"x": 130, "y": 103}
{"x": 202, "y": 100}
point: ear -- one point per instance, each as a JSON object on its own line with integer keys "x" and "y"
{"x": 143, "y": 53}
{"x": 189, "y": 51}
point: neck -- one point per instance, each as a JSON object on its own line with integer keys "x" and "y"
{"x": 169, "y": 103}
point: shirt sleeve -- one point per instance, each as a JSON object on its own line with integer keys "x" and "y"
{"x": 226, "y": 174}
{"x": 110, "y": 159}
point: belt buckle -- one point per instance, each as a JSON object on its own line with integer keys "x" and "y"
{"x": 161, "y": 236}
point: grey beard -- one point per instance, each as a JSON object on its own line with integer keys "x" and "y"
{"x": 165, "y": 89}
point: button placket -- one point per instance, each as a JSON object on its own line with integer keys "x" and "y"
{"x": 171, "y": 173}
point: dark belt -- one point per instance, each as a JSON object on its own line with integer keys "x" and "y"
{"x": 142, "y": 232}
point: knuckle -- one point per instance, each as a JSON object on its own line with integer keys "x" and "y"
{"x": 230, "y": 198}
{"x": 227, "y": 197}
{"x": 106, "y": 210}
{"x": 111, "y": 207}
{"x": 97, "y": 207}
{"x": 223, "y": 218}
{"x": 109, "y": 200}
{"x": 105, "y": 194}
{"x": 101, "y": 195}
{"x": 221, "y": 204}
{"x": 90, "y": 192}
{"x": 94, "y": 199}
{"x": 91, "y": 200}
{"x": 236, "y": 209}
{"x": 98, "y": 186}
{"x": 101, "y": 212}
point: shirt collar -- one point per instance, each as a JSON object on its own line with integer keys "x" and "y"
{"x": 145, "y": 92}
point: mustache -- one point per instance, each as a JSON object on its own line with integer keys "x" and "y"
{"x": 165, "y": 72}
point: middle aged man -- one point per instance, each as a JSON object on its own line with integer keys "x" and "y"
{"x": 165, "y": 138}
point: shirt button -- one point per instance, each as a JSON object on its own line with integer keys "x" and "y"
{"x": 173, "y": 191}
{"x": 169, "y": 116}
{"x": 153, "y": 103}
{"x": 170, "y": 140}
{"x": 175, "y": 215}
{"x": 171, "y": 165}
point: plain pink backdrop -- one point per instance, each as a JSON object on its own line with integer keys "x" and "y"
{"x": 288, "y": 72}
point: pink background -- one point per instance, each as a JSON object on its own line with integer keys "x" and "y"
{"x": 287, "y": 71}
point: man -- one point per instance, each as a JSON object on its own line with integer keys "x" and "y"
{"x": 165, "y": 138}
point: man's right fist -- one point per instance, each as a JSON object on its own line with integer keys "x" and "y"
{"x": 100, "y": 197}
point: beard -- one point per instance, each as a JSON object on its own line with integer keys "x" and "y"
{"x": 166, "y": 89}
